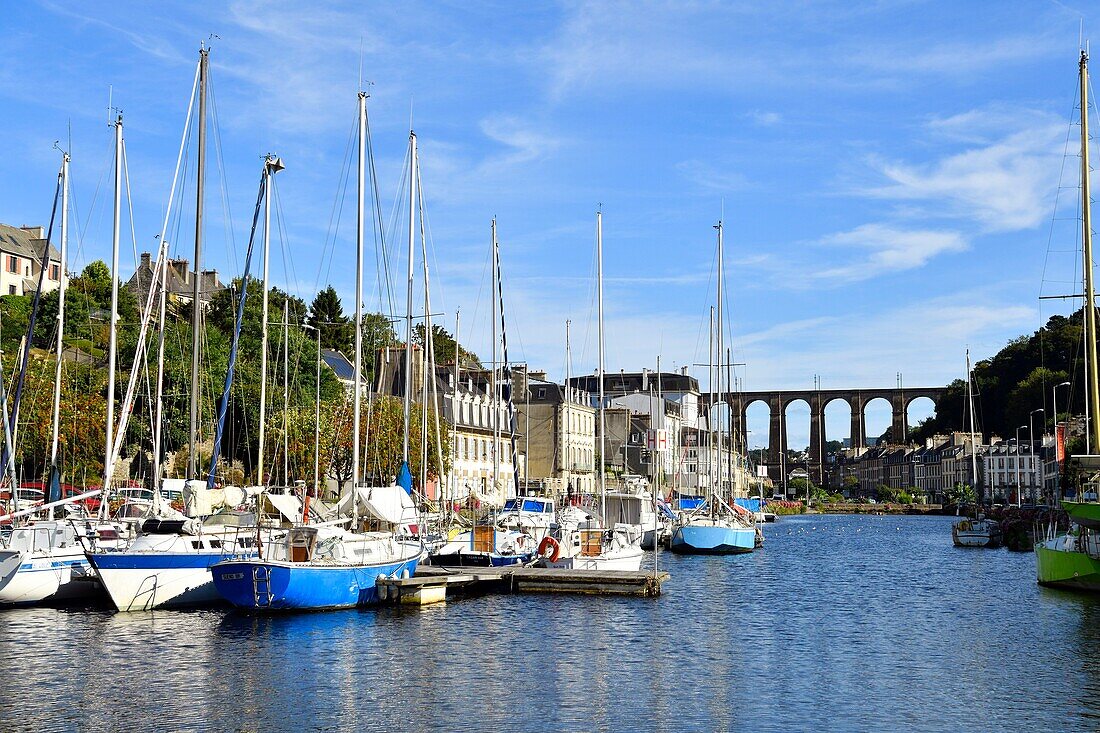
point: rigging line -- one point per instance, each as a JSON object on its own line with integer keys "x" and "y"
{"x": 335, "y": 214}
{"x": 107, "y": 167}
{"x": 379, "y": 234}
{"x": 227, "y": 211}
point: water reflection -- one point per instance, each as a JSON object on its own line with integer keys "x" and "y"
{"x": 841, "y": 623}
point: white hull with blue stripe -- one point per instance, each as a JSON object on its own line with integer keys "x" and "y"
{"x": 169, "y": 570}
{"x": 44, "y": 562}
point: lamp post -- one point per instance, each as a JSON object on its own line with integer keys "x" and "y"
{"x": 1019, "y": 495}
{"x": 1031, "y": 447}
{"x": 1054, "y": 405}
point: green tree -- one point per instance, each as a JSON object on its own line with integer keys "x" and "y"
{"x": 444, "y": 347}
{"x": 326, "y": 313}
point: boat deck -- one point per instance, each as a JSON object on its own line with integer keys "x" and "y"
{"x": 435, "y": 584}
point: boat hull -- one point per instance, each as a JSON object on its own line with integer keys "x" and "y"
{"x": 144, "y": 581}
{"x": 472, "y": 559}
{"x": 28, "y": 577}
{"x": 712, "y": 540}
{"x": 259, "y": 585}
{"x": 629, "y": 561}
{"x": 1061, "y": 567}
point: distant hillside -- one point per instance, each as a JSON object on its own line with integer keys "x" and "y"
{"x": 1016, "y": 380}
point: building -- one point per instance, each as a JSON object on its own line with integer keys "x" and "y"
{"x": 559, "y": 425}
{"x": 180, "y": 282}
{"x": 21, "y": 250}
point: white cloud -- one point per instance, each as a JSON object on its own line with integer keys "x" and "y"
{"x": 885, "y": 249}
{"x": 765, "y": 119}
{"x": 1004, "y": 185}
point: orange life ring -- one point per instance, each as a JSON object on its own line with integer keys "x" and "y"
{"x": 550, "y": 549}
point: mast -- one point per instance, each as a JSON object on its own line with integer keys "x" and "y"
{"x": 1086, "y": 239}
{"x": 286, "y": 390}
{"x": 494, "y": 405}
{"x": 55, "y": 429}
{"x": 56, "y": 422}
{"x": 268, "y": 174}
{"x": 317, "y": 423}
{"x": 112, "y": 340}
{"x": 712, "y": 419}
{"x": 454, "y": 412}
{"x": 357, "y": 395}
{"x": 196, "y": 303}
{"x": 566, "y": 456}
{"x": 599, "y": 300}
{"x": 409, "y": 296}
{"x": 721, "y": 394}
{"x": 973, "y": 441}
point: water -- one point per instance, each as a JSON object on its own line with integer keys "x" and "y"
{"x": 840, "y": 623}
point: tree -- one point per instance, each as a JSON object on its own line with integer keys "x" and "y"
{"x": 444, "y": 347}
{"x": 326, "y": 313}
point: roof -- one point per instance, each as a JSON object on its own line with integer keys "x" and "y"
{"x": 23, "y": 243}
{"x": 628, "y": 382}
{"x": 176, "y": 281}
{"x": 339, "y": 364}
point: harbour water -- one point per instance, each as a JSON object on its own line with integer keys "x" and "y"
{"x": 840, "y": 623}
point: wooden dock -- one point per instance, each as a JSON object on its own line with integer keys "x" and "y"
{"x": 434, "y": 584}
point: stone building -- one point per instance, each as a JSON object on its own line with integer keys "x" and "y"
{"x": 559, "y": 425}
{"x": 180, "y": 282}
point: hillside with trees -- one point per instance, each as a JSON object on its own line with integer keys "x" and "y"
{"x": 1016, "y": 380}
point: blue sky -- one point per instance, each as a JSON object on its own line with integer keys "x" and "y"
{"x": 887, "y": 171}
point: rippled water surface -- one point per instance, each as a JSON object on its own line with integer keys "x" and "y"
{"x": 839, "y": 623}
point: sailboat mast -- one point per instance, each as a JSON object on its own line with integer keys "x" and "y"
{"x": 112, "y": 340}
{"x": 357, "y": 395}
{"x": 1086, "y": 239}
{"x": 712, "y": 418}
{"x": 286, "y": 390}
{"x": 973, "y": 441}
{"x": 603, "y": 426}
{"x": 567, "y": 460}
{"x": 494, "y": 402}
{"x": 721, "y": 394}
{"x": 196, "y": 303}
{"x": 409, "y": 296}
{"x": 56, "y": 422}
{"x": 454, "y": 411}
{"x": 263, "y": 323}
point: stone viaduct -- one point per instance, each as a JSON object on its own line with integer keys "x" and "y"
{"x": 857, "y": 399}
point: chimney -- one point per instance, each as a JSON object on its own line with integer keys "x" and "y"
{"x": 36, "y": 232}
{"x": 683, "y": 371}
{"x": 645, "y": 379}
{"x": 145, "y": 260}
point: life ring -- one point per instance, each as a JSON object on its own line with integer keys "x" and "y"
{"x": 550, "y": 549}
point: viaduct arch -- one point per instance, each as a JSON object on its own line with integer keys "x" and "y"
{"x": 817, "y": 399}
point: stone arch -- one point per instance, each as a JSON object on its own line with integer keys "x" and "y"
{"x": 913, "y": 418}
{"x": 876, "y": 415}
{"x": 801, "y": 439}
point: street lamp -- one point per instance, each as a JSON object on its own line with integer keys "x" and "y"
{"x": 1031, "y": 447}
{"x": 1019, "y": 496}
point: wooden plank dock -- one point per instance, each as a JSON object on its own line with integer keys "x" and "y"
{"x": 435, "y": 584}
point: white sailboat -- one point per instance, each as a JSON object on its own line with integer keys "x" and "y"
{"x": 585, "y": 541}
{"x": 979, "y": 531}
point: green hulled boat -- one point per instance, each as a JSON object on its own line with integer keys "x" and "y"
{"x": 1072, "y": 559}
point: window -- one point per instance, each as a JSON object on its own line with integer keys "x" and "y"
{"x": 11, "y": 290}
{"x": 55, "y": 272}
{"x": 13, "y": 264}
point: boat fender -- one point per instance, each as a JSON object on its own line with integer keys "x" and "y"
{"x": 549, "y": 548}
{"x": 404, "y": 573}
{"x": 382, "y": 590}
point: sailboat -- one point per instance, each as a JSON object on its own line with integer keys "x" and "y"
{"x": 715, "y": 527}
{"x": 979, "y": 531}
{"x": 43, "y": 561}
{"x": 1072, "y": 559}
{"x": 326, "y": 566}
{"x": 512, "y": 536}
{"x": 167, "y": 564}
{"x": 584, "y": 540}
